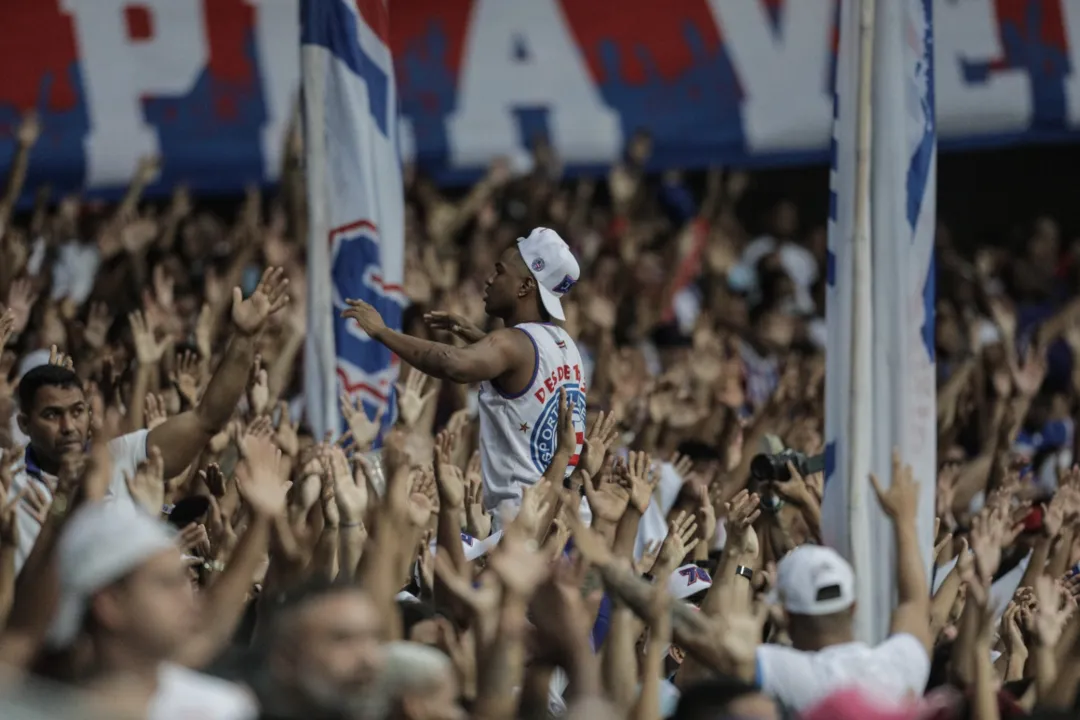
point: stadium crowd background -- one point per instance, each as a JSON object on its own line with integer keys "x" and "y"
{"x": 700, "y": 318}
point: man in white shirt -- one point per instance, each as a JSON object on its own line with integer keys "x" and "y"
{"x": 522, "y": 367}
{"x": 125, "y": 587}
{"x": 54, "y": 413}
{"x": 817, "y": 589}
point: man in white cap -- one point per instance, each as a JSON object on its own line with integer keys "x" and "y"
{"x": 817, "y": 590}
{"x": 816, "y": 587}
{"x": 125, "y": 587}
{"x": 521, "y": 368}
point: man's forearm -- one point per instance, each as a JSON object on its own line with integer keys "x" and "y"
{"x": 226, "y": 599}
{"x": 16, "y": 177}
{"x": 555, "y": 473}
{"x": 131, "y": 198}
{"x": 1058, "y": 564}
{"x": 350, "y": 549}
{"x": 377, "y": 569}
{"x": 281, "y": 370}
{"x": 942, "y": 603}
{"x": 730, "y": 591}
{"x": 430, "y": 358}
{"x": 962, "y": 655}
{"x": 136, "y": 415}
{"x": 911, "y": 575}
{"x": 7, "y": 580}
{"x": 912, "y": 612}
{"x": 36, "y": 591}
{"x": 1040, "y": 554}
{"x": 583, "y": 668}
{"x": 503, "y": 664}
{"x": 689, "y": 630}
{"x": 626, "y": 531}
{"x": 618, "y": 660}
{"x": 448, "y": 534}
{"x": 227, "y": 384}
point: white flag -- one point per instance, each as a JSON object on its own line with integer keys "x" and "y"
{"x": 880, "y": 381}
{"x": 356, "y": 232}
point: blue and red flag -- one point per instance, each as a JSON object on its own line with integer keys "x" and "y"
{"x": 356, "y": 231}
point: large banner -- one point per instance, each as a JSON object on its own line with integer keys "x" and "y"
{"x": 356, "y": 213}
{"x": 210, "y": 84}
{"x": 880, "y": 380}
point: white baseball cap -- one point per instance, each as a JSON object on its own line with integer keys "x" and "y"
{"x": 815, "y": 580}
{"x": 102, "y": 542}
{"x": 688, "y": 580}
{"x": 552, "y": 264}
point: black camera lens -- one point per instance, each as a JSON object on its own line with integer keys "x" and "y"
{"x": 771, "y": 468}
{"x": 774, "y": 468}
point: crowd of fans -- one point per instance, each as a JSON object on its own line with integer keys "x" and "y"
{"x": 174, "y": 543}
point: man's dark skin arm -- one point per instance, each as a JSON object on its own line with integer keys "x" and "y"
{"x": 182, "y": 437}
{"x": 505, "y": 355}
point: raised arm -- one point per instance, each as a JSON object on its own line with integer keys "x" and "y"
{"x": 493, "y": 356}
{"x": 182, "y": 437}
{"x": 692, "y": 631}
{"x": 27, "y": 134}
{"x": 901, "y": 502}
{"x": 259, "y": 481}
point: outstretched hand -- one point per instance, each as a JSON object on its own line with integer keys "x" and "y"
{"x": 258, "y": 476}
{"x": 364, "y": 429}
{"x": 413, "y": 397}
{"x": 449, "y": 479}
{"x": 147, "y": 485}
{"x": 637, "y": 477}
{"x": 454, "y": 324}
{"x": 900, "y": 500}
{"x": 600, "y": 439}
{"x": 742, "y": 512}
{"x": 250, "y": 316}
{"x": 366, "y": 316}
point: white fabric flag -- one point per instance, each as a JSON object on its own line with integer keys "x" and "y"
{"x": 880, "y": 381}
{"x": 356, "y": 233}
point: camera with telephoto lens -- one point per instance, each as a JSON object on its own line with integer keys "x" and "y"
{"x": 772, "y": 467}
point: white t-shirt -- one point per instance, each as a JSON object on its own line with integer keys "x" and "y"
{"x": 75, "y": 271}
{"x": 127, "y": 452}
{"x": 184, "y": 694}
{"x": 889, "y": 671}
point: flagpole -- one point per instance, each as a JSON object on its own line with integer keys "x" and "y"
{"x": 860, "y": 417}
{"x": 320, "y": 378}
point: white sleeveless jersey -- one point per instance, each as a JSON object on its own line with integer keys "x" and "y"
{"x": 518, "y": 433}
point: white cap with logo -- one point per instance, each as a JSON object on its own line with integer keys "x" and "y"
{"x": 552, "y": 264}
{"x": 687, "y": 581}
{"x": 815, "y": 580}
{"x": 102, "y": 542}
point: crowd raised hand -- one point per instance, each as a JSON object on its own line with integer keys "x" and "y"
{"x": 395, "y": 504}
